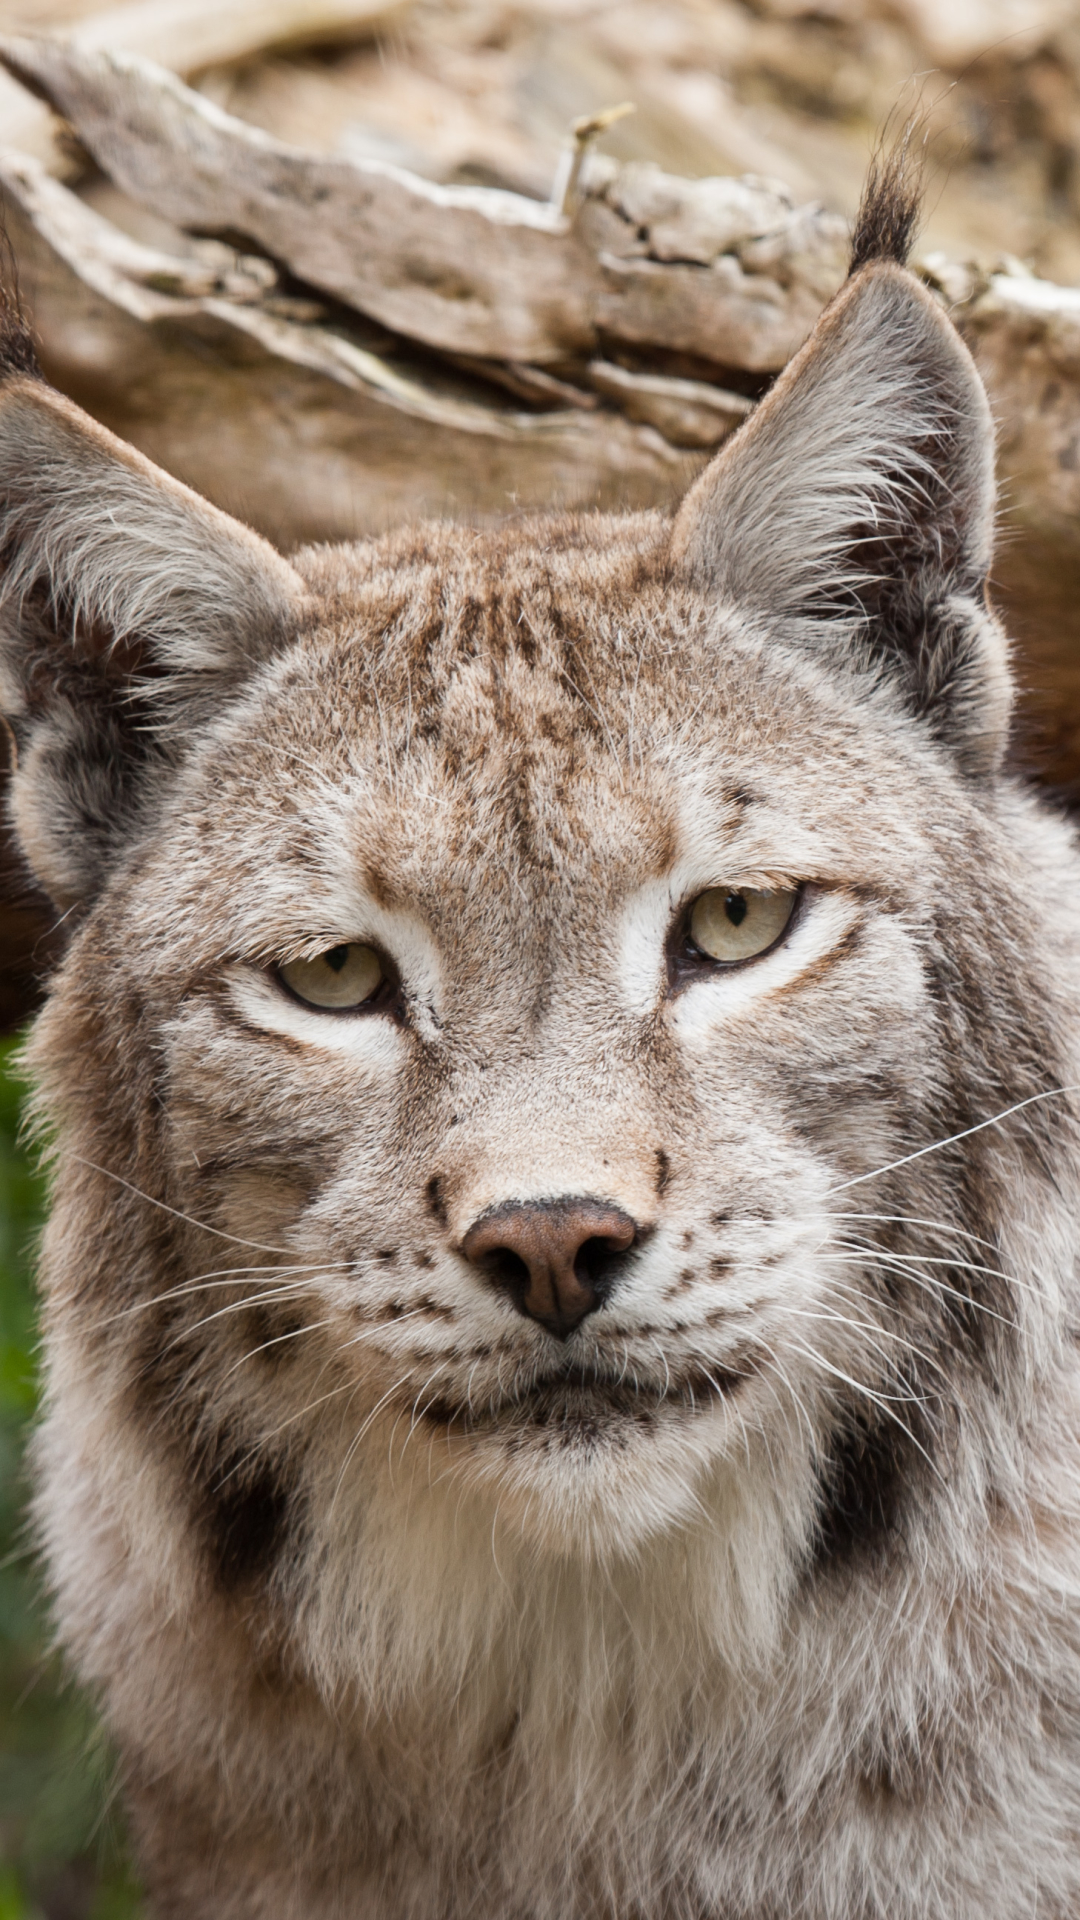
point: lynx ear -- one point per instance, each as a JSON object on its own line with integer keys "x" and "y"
{"x": 128, "y": 606}
{"x": 855, "y": 509}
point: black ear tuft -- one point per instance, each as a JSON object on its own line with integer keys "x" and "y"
{"x": 889, "y": 213}
{"x": 854, "y": 510}
{"x": 17, "y": 353}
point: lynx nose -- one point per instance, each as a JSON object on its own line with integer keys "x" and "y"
{"x": 556, "y": 1259}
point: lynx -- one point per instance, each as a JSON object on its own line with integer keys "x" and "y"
{"x": 560, "y": 1299}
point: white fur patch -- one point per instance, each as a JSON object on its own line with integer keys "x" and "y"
{"x": 821, "y": 923}
{"x": 371, "y": 1039}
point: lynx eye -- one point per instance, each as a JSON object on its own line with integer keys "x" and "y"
{"x": 340, "y": 979}
{"x": 731, "y": 924}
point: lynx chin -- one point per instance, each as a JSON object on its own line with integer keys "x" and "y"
{"x": 561, "y": 1298}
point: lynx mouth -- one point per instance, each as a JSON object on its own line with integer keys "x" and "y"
{"x": 583, "y": 1400}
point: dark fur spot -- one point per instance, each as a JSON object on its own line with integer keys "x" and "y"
{"x": 663, "y": 1171}
{"x": 434, "y": 1198}
{"x": 865, "y": 1479}
{"x": 245, "y": 1513}
{"x": 268, "y": 1338}
{"x": 524, "y": 639}
{"x": 434, "y": 1309}
{"x": 898, "y": 1774}
{"x": 740, "y": 797}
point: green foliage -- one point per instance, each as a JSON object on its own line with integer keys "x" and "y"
{"x": 61, "y": 1848}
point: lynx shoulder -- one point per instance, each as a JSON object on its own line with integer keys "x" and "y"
{"x": 560, "y": 1295}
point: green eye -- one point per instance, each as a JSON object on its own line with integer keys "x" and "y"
{"x": 339, "y": 979}
{"x": 737, "y": 923}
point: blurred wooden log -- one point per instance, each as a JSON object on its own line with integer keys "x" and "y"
{"x": 688, "y": 413}
{"x": 958, "y": 32}
{"x": 464, "y": 269}
{"x": 1025, "y": 334}
{"x": 305, "y": 432}
{"x": 188, "y": 35}
{"x": 28, "y": 126}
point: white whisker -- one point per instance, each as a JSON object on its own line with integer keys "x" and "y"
{"x": 176, "y": 1212}
{"x": 886, "y": 1403}
{"x": 1051, "y": 1093}
{"x": 294, "y": 1333}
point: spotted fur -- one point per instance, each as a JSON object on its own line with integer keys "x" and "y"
{"x": 758, "y": 1594}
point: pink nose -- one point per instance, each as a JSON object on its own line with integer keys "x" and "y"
{"x": 557, "y": 1260}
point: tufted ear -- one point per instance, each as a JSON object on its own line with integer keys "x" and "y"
{"x": 855, "y": 509}
{"x": 128, "y": 608}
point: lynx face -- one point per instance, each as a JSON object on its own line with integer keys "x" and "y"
{"x": 554, "y": 1203}
{"x": 565, "y": 1202}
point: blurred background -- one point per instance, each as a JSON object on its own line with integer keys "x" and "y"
{"x": 315, "y": 405}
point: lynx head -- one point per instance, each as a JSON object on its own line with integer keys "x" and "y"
{"x": 519, "y": 980}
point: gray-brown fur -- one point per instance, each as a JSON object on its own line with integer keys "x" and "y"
{"x": 759, "y": 1594}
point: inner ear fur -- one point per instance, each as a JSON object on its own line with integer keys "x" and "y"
{"x": 128, "y": 608}
{"x": 855, "y": 510}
